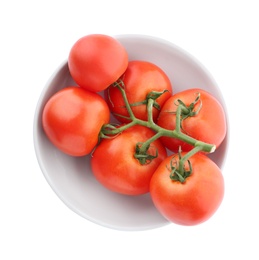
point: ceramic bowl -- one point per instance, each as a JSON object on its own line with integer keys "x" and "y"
{"x": 71, "y": 178}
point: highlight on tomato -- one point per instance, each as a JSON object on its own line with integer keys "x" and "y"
{"x": 192, "y": 201}
{"x": 95, "y": 61}
{"x": 72, "y": 119}
{"x": 116, "y": 163}
{"x": 203, "y": 118}
{"x": 140, "y": 79}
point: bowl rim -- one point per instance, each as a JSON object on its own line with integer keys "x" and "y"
{"x": 39, "y": 106}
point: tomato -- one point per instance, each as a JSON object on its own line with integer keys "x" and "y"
{"x": 95, "y": 61}
{"x": 191, "y": 202}
{"x": 115, "y": 167}
{"x": 72, "y": 119}
{"x": 209, "y": 125}
{"x": 140, "y": 78}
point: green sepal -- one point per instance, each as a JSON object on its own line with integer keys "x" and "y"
{"x": 143, "y": 156}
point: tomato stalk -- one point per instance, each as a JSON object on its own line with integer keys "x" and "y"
{"x": 153, "y": 95}
{"x": 182, "y": 112}
{"x": 178, "y": 171}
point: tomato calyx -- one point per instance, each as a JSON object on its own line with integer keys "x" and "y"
{"x": 184, "y": 111}
{"x": 188, "y": 111}
{"x": 146, "y": 155}
{"x": 178, "y": 170}
{"x": 151, "y": 95}
{"x": 178, "y": 173}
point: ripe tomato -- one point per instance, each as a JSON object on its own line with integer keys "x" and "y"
{"x": 140, "y": 78}
{"x": 95, "y": 61}
{"x": 209, "y": 125}
{"x": 114, "y": 165}
{"x": 72, "y": 119}
{"x": 193, "y": 201}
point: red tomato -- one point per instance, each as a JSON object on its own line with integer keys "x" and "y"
{"x": 193, "y": 201}
{"x": 209, "y": 125}
{"x": 114, "y": 165}
{"x": 95, "y": 61}
{"x": 140, "y": 78}
{"x": 72, "y": 119}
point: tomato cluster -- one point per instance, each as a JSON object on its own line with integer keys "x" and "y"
{"x": 160, "y": 139}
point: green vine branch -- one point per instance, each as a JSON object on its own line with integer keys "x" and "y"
{"x": 183, "y": 111}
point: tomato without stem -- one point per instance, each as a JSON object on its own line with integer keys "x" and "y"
{"x": 208, "y": 125}
{"x": 114, "y": 165}
{"x": 72, "y": 119}
{"x": 95, "y": 61}
{"x": 191, "y": 202}
{"x": 140, "y": 78}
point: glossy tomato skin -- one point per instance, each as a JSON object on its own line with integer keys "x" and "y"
{"x": 114, "y": 166}
{"x": 95, "y": 61}
{"x": 72, "y": 119}
{"x": 194, "y": 201}
{"x": 208, "y": 126}
{"x": 140, "y": 78}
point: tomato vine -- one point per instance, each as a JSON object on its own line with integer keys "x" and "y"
{"x": 183, "y": 111}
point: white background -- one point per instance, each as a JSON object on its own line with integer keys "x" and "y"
{"x": 36, "y": 37}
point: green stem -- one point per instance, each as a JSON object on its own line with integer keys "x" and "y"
{"x": 146, "y": 144}
{"x": 150, "y": 105}
{"x": 205, "y": 147}
{"x": 176, "y": 133}
{"x": 178, "y": 119}
{"x": 186, "y": 157}
{"x": 121, "y": 88}
{"x": 110, "y": 130}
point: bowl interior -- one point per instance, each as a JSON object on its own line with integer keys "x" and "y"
{"x": 71, "y": 178}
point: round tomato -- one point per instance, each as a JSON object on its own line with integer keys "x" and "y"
{"x": 209, "y": 125}
{"x": 193, "y": 201}
{"x": 72, "y": 119}
{"x": 140, "y": 78}
{"x": 115, "y": 166}
{"x": 95, "y": 61}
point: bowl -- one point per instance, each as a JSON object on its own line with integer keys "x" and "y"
{"x": 71, "y": 177}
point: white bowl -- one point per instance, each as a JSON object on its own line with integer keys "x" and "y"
{"x": 71, "y": 178}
